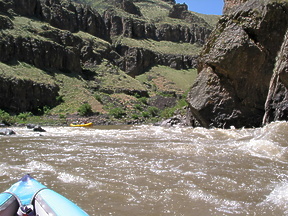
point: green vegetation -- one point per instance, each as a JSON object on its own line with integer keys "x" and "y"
{"x": 145, "y": 114}
{"x": 153, "y": 111}
{"x": 28, "y": 117}
{"x": 6, "y": 118}
{"x": 101, "y": 86}
{"x": 153, "y": 11}
{"x": 117, "y": 112}
{"x": 166, "y": 47}
{"x": 210, "y": 19}
{"x": 24, "y": 71}
{"x": 25, "y": 115}
{"x": 73, "y": 88}
{"x": 169, "y": 112}
{"x": 85, "y": 110}
{"x": 98, "y": 44}
{"x": 165, "y": 79}
{"x": 142, "y": 100}
{"x": 74, "y": 91}
{"x": 113, "y": 79}
{"x": 98, "y": 98}
{"x": 138, "y": 107}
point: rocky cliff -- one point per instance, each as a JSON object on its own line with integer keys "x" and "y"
{"x": 236, "y": 67}
{"x": 25, "y": 95}
{"x": 276, "y": 106}
{"x": 231, "y": 5}
{"x": 75, "y": 40}
{"x": 73, "y": 17}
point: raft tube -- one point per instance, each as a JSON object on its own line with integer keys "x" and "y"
{"x": 29, "y": 197}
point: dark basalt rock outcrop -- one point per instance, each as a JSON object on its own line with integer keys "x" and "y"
{"x": 63, "y": 15}
{"x": 236, "y": 66}
{"x": 5, "y": 23}
{"x": 162, "y": 102}
{"x": 25, "y": 95}
{"x": 139, "y": 29}
{"x": 57, "y": 48}
{"x": 137, "y": 60}
{"x": 38, "y": 128}
{"x": 180, "y": 11}
{"x": 40, "y": 53}
{"x": 276, "y": 106}
{"x": 128, "y": 6}
{"x": 69, "y": 52}
{"x": 77, "y": 17}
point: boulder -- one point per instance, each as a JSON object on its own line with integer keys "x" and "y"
{"x": 38, "y": 128}
{"x": 30, "y": 126}
{"x": 6, "y": 132}
{"x": 177, "y": 120}
{"x": 236, "y": 66}
{"x": 162, "y": 102}
{"x": 35, "y": 127}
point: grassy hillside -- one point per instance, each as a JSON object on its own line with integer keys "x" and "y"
{"x": 166, "y": 47}
{"x": 155, "y": 11}
{"x": 109, "y": 91}
{"x": 163, "y": 79}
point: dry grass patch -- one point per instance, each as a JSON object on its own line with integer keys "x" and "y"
{"x": 165, "y": 47}
{"x": 178, "y": 80}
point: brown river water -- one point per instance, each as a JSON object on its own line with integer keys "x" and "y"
{"x": 149, "y": 170}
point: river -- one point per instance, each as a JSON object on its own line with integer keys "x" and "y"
{"x": 149, "y": 170}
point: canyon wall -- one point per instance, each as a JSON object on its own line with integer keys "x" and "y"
{"x": 237, "y": 64}
{"x": 56, "y": 45}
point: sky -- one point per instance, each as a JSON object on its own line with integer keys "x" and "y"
{"x": 204, "y": 6}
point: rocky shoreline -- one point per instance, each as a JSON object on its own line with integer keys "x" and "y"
{"x": 177, "y": 120}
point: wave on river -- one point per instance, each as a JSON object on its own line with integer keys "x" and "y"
{"x": 149, "y": 170}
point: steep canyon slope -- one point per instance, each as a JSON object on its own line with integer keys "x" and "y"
{"x": 61, "y": 54}
{"x": 242, "y": 79}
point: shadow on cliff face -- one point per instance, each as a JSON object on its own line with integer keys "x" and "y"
{"x": 236, "y": 66}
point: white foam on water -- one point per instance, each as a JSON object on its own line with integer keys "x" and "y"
{"x": 263, "y": 148}
{"x": 278, "y": 198}
{"x": 222, "y": 205}
{"x": 69, "y": 178}
{"x": 74, "y": 179}
{"x": 35, "y": 166}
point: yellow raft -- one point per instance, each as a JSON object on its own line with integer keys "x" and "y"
{"x": 81, "y": 125}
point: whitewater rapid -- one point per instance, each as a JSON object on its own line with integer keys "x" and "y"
{"x": 150, "y": 170}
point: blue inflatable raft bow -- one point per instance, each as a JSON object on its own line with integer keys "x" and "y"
{"x": 29, "y": 197}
